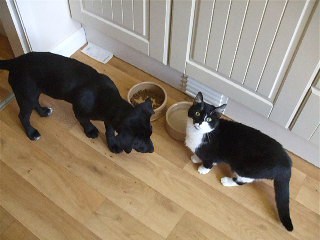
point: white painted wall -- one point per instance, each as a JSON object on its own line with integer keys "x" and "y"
{"x": 47, "y": 23}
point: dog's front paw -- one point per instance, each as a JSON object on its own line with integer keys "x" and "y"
{"x": 34, "y": 135}
{"x": 203, "y": 170}
{"x": 115, "y": 148}
{"x": 92, "y": 133}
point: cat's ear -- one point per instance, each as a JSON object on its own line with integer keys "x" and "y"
{"x": 198, "y": 98}
{"x": 219, "y": 110}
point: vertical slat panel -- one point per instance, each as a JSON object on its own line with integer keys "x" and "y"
{"x": 117, "y": 11}
{"x": 146, "y": 19}
{"x": 268, "y": 31}
{"x": 285, "y": 33}
{"x": 97, "y": 7}
{"x": 301, "y": 73}
{"x": 159, "y": 26}
{"x": 138, "y": 16}
{"x": 87, "y": 5}
{"x": 127, "y": 14}
{"x": 203, "y": 20}
{"x": 179, "y": 40}
{"x": 250, "y": 28}
{"x": 107, "y": 9}
{"x": 220, "y": 16}
{"x": 236, "y": 19}
{"x": 93, "y": 6}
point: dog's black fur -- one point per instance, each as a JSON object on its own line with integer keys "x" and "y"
{"x": 93, "y": 97}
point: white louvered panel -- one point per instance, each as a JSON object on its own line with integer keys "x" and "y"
{"x": 146, "y": 16}
{"x": 233, "y": 35}
{"x": 138, "y": 19}
{"x": 97, "y": 7}
{"x": 117, "y": 11}
{"x": 275, "y": 68}
{"x": 204, "y": 15}
{"x": 268, "y": 31}
{"x": 130, "y": 14}
{"x": 127, "y": 12}
{"x": 301, "y": 75}
{"x": 209, "y": 95}
{"x": 217, "y": 33}
{"x": 93, "y": 6}
{"x": 245, "y": 40}
{"x": 106, "y": 9}
{"x": 248, "y": 39}
{"x": 88, "y": 5}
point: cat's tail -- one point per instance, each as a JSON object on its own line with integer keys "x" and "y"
{"x": 6, "y": 64}
{"x": 281, "y": 188}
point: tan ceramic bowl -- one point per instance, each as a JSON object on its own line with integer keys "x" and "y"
{"x": 151, "y": 86}
{"x": 176, "y": 120}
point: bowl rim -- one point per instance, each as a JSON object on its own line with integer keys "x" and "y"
{"x": 170, "y": 110}
{"x": 153, "y": 83}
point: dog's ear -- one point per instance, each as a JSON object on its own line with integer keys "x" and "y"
{"x": 146, "y": 106}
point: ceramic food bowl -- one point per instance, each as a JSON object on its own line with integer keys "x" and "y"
{"x": 141, "y": 91}
{"x": 176, "y": 120}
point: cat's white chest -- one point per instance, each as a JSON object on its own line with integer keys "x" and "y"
{"x": 193, "y": 136}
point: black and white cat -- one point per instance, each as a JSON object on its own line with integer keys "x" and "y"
{"x": 251, "y": 154}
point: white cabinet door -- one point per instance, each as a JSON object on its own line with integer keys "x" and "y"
{"x": 301, "y": 74}
{"x": 239, "y": 48}
{"x": 140, "y": 24}
{"x": 308, "y": 119}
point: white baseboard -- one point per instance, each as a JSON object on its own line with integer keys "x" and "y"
{"x": 71, "y": 44}
{"x": 234, "y": 110}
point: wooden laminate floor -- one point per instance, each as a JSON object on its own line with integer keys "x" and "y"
{"x": 66, "y": 186}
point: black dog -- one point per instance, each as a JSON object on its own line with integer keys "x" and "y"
{"x": 93, "y": 97}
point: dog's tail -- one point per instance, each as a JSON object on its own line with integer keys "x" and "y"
{"x": 281, "y": 188}
{"x": 6, "y": 64}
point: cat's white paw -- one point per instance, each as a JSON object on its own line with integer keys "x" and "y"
{"x": 228, "y": 182}
{"x": 195, "y": 159}
{"x": 203, "y": 170}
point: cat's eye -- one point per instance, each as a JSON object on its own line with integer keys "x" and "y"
{"x": 208, "y": 119}
{"x": 197, "y": 114}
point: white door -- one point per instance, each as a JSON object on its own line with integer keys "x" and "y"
{"x": 239, "y": 48}
{"x": 140, "y": 24}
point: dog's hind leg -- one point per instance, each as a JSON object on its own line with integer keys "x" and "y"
{"x": 27, "y": 93}
{"x": 43, "y": 111}
{"x": 26, "y": 107}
